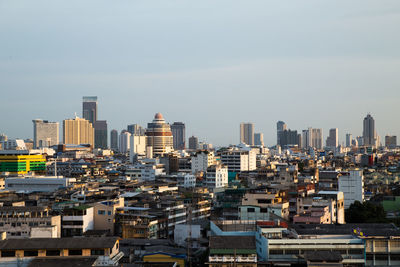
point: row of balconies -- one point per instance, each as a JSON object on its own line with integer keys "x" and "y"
{"x": 232, "y": 259}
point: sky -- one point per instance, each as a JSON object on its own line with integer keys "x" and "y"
{"x": 211, "y": 64}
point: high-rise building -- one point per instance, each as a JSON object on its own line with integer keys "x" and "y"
{"x": 179, "y": 135}
{"x": 312, "y": 138}
{"x": 78, "y": 131}
{"x": 193, "y": 143}
{"x": 247, "y": 133}
{"x": 124, "y": 141}
{"x": 136, "y": 129}
{"x": 349, "y": 139}
{"x": 159, "y": 136}
{"x": 100, "y": 134}
{"x": 288, "y": 138}
{"x": 45, "y": 133}
{"x": 332, "y": 140}
{"x": 369, "y": 134}
{"x": 259, "y": 139}
{"x": 391, "y": 141}
{"x": 3, "y": 137}
{"x": 89, "y": 108}
{"x": 360, "y": 140}
{"x": 137, "y": 147}
{"x": 114, "y": 140}
{"x": 280, "y": 126}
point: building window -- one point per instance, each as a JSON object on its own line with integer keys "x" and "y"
{"x": 7, "y": 253}
{"x": 251, "y": 210}
{"x": 75, "y": 252}
{"x": 53, "y": 252}
{"x": 101, "y": 212}
{"x": 109, "y": 212}
{"x": 276, "y": 252}
{"x": 30, "y": 253}
{"x": 97, "y": 252}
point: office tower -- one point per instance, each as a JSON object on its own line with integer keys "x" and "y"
{"x": 100, "y": 134}
{"x": 137, "y": 147}
{"x": 45, "y": 133}
{"x": 78, "y": 131}
{"x": 89, "y": 108}
{"x": 136, "y": 129}
{"x": 159, "y": 136}
{"x": 247, "y": 133}
{"x": 259, "y": 139}
{"x": 114, "y": 140}
{"x": 349, "y": 139}
{"x": 312, "y": 138}
{"x": 288, "y": 138}
{"x": 3, "y": 137}
{"x": 193, "y": 143}
{"x": 124, "y": 141}
{"x": 390, "y": 141}
{"x": 369, "y": 134}
{"x": 179, "y": 136}
{"x": 332, "y": 140}
{"x": 280, "y": 126}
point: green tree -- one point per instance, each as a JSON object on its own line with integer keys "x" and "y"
{"x": 365, "y": 213}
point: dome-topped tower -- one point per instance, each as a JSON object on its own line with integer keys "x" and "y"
{"x": 159, "y": 135}
{"x": 158, "y": 116}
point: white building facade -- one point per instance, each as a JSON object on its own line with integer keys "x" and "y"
{"x": 351, "y": 183}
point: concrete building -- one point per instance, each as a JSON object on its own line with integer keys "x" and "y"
{"x": 349, "y": 140}
{"x": 270, "y": 203}
{"x": 124, "y": 142}
{"x": 288, "y": 138}
{"x": 78, "y": 131}
{"x": 238, "y": 159}
{"x": 333, "y": 139}
{"x": 114, "y": 140}
{"x": 202, "y": 160}
{"x": 280, "y": 126}
{"x": 179, "y": 135}
{"x": 100, "y": 134}
{"x": 159, "y": 136}
{"x": 259, "y": 139}
{"x": 186, "y": 180}
{"x": 369, "y": 133}
{"x": 29, "y": 222}
{"x": 104, "y": 214}
{"x": 13, "y": 144}
{"x": 77, "y": 220}
{"x": 193, "y": 143}
{"x": 137, "y": 147}
{"x": 351, "y": 183}
{"x": 391, "y": 141}
{"x": 247, "y": 133}
{"x": 21, "y": 163}
{"x": 312, "y": 138}
{"x": 37, "y": 183}
{"x": 217, "y": 176}
{"x": 45, "y": 133}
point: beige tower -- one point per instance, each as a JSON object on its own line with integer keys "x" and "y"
{"x": 78, "y": 131}
{"x": 159, "y": 136}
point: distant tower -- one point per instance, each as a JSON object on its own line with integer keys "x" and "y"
{"x": 193, "y": 143}
{"x": 247, "y": 133}
{"x": 124, "y": 141}
{"x": 89, "y": 108}
{"x": 114, "y": 140}
{"x": 333, "y": 139}
{"x": 258, "y": 139}
{"x": 369, "y": 134}
{"x": 100, "y": 134}
{"x": 178, "y": 133}
{"x": 45, "y": 134}
{"x": 78, "y": 131}
{"x": 280, "y": 127}
{"x": 349, "y": 139}
{"x": 136, "y": 129}
{"x": 159, "y": 136}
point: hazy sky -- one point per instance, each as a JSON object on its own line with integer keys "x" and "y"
{"x": 211, "y": 64}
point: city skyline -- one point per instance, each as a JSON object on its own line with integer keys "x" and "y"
{"x": 171, "y": 67}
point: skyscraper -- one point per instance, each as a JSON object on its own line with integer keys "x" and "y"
{"x": 179, "y": 135}
{"x": 349, "y": 139}
{"x": 100, "y": 134}
{"x": 288, "y": 138}
{"x": 89, "y": 108}
{"x": 193, "y": 143}
{"x": 124, "y": 141}
{"x": 247, "y": 133}
{"x": 45, "y": 133}
{"x": 312, "y": 138}
{"x": 114, "y": 140}
{"x": 159, "y": 136}
{"x": 280, "y": 127}
{"x": 78, "y": 131}
{"x": 391, "y": 141}
{"x": 258, "y": 139}
{"x": 332, "y": 140}
{"x": 369, "y": 134}
{"x": 136, "y": 129}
